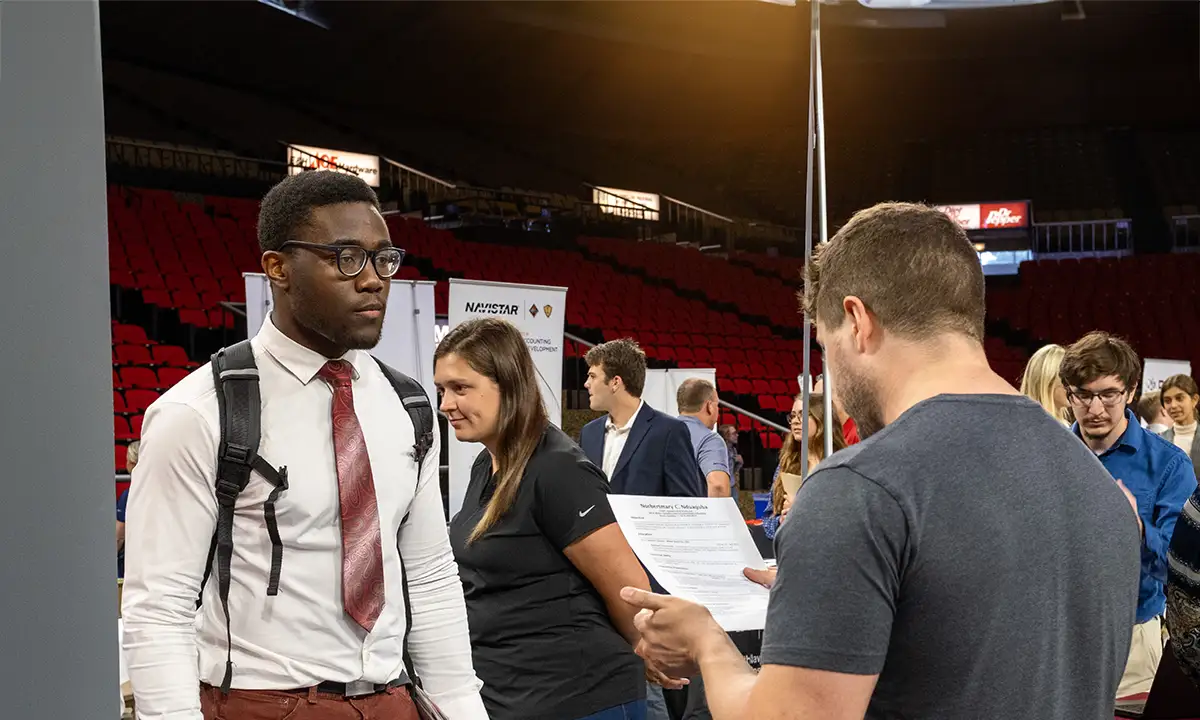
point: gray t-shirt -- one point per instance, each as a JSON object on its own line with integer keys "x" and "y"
{"x": 974, "y": 554}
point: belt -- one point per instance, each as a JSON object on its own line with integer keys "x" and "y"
{"x": 361, "y": 688}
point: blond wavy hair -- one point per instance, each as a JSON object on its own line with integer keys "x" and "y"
{"x": 1041, "y": 378}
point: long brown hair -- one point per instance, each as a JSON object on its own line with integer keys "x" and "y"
{"x": 496, "y": 349}
{"x": 790, "y": 460}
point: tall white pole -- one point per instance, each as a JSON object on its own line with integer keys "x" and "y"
{"x": 806, "y": 377}
{"x": 824, "y": 207}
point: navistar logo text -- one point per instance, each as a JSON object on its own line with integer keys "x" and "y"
{"x": 491, "y": 308}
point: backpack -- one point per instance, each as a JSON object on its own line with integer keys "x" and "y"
{"x": 235, "y": 378}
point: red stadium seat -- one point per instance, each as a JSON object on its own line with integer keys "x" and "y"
{"x": 172, "y": 355}
{"x": 220, "y": 318}
{"x": 133, "y": 334}
{"x": 132, "y": 355}
{"x": 199, "y": 318}
{"x": 177, "y": 282}
{"x": 160, "y": 298}
{"x": 121, "y": 429}
{"x": 207, "y": 283}
{"x": 138, "y": 377}
{"x": 168, "y": 376}
{"x": 119, "y": 457}
{"x": 139, "y": 400}
{"x": 186, "y": 300}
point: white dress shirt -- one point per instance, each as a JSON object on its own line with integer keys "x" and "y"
{"x": 614, "y": 441}
{"x": 302, "y": 636}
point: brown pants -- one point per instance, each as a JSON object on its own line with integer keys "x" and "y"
{"x": 395, "y": 704}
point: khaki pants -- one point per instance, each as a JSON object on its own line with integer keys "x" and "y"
{"x": 1145, "y": 651}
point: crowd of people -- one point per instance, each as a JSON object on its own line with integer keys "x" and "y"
{"x": 967, "y": 551}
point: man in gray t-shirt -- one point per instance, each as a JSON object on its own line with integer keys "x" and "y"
{"x": 968, "y": 559}
{"x": 963, "y": 572}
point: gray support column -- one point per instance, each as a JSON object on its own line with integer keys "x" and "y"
{"x": 58, "y": 614}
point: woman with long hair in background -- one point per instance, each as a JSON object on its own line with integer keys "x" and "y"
{"x": 790, "y": 460}
{"x": 1042, "y": 384}
{"x": 541, "y": 558}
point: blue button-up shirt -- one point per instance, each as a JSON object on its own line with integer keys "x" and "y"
{"x": 1161, "y": 478}
{"x": 711, "y": 452}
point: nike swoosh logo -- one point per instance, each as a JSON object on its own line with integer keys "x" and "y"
{"x": 583, "y": 513}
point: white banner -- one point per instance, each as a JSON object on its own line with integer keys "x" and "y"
{"x": 408, "y": 327}
{"x": 1156, "y": 371}
{"x": 301, "y": 158}
{"x": 661, "y": 390}
{"x": 539, "y": 312}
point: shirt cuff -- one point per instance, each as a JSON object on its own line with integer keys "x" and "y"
{"x": 461, "y": 705}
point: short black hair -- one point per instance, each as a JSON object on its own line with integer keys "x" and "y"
{"x": 289, "y": 204}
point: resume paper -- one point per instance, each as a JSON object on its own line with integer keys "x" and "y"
{"x": 696, "y": 548}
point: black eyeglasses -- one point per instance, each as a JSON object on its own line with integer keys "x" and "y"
{"x": 1083, "y": 398}
{"x": 351, "y": 259}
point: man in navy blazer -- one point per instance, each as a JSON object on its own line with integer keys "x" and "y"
{"x": 641, "y": 450}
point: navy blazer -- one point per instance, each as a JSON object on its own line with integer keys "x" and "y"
{"x": 658, "y": 458}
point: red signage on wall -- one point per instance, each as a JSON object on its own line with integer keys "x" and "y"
{"x": 989, "y": 216}
{"x": 1004, "y": 215}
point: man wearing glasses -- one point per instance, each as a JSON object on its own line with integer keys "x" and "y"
{"x": 357, "y": 516}
{"x": 1100, "y": 373}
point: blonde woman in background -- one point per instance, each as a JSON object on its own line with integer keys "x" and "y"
{"x": 789, "y": 454}
{"x": 1042, "y": 384}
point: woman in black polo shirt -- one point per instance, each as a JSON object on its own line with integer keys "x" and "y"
{"x": 540, "y": 555}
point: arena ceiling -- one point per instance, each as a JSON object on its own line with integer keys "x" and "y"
{"x": 681, "y": 76}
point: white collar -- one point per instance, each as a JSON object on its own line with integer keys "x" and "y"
{"x": 611, "y": 427}
{"x": 301, "y": 362}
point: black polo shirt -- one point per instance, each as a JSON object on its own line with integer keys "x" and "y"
{"x": 541, "y": 637}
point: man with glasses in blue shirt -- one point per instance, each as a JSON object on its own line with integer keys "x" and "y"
{"x": 1100, "y": 373}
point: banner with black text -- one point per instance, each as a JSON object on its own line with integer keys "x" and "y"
{"x": 539, "y": 312}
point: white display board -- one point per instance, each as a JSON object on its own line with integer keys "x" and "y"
{"x": 662, "y": 386}
{"x": 539, "y": 312}
{"x": 408, "y": 327}
{"x": 1156, "y": 371}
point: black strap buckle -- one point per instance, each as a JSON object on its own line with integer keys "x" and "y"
{"x": 422, "y": 446}
{"x": 228, "y": 490}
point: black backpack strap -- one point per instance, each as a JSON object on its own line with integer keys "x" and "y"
{"x": 420, "y": 411}
{"x": 408, "y": 663}
{"x": 235, "y": 378}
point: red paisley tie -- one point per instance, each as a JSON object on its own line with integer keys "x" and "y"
{"x": 362, "y": 551}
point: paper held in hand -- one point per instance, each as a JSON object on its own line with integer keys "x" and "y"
{"x": 696, "y": 548}
{"x": 791, "y": 483}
